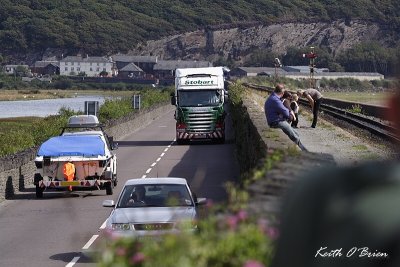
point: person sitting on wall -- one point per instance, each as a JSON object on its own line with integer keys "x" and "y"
{"x": 278, "y": 115}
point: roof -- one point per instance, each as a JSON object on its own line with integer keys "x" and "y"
{"x": 174, "y": 64}
{"x": 85, "y": 59}
{"x": 42, "y": 64}
{"x": 136, "y": 59}
{"x": 131, "y": 67}
{"x": 336, "y": 74}
{"x": 158, "y": 180}
{"x": 260, "y": 69}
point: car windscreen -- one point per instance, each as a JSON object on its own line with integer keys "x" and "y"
{"x": 196, "y": 98}
{"x": 155, "y": 195}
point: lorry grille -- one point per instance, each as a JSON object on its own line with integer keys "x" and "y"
{"x": 200, "y": 121}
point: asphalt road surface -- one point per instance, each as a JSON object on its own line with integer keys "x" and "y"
{"x": 62, "y": 228}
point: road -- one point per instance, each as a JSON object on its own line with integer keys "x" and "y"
{"x": 59, "y": 229}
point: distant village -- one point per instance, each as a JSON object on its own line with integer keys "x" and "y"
{"x": 152, "y": 70}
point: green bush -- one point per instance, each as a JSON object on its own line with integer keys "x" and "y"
{"x": 114, "y": 109}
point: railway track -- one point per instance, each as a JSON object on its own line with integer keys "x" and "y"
{"x": 371, "y": 120}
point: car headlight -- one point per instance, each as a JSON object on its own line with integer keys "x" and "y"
{"x": 121, "y": 226}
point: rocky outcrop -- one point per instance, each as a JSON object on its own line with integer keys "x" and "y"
{"x": 238, "y": 42}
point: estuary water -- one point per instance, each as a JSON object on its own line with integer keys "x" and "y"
{"x": 45, "y": 107}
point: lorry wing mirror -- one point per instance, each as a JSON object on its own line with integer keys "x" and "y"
{"x": 226, "y": 96}
{"x": 173, "y": 99}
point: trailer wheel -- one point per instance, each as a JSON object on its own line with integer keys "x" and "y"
{"x": 109, "y": 188}
{"x": 39, "y": 191}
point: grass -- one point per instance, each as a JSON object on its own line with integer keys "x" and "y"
{"x": 12, "y": 95}
{"x": 8, "y": 125}
{"x": 360, "y": 147}
{"x": 373, "y": 98}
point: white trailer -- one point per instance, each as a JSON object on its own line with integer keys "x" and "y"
{"x": 85, "y": 145}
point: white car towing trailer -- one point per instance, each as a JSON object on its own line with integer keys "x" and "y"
{"x": 81, "y": 157}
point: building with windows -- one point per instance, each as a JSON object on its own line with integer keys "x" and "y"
{"x": 86, "y": 66}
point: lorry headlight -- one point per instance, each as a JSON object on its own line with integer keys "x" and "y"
{"x": 121, "y": 226}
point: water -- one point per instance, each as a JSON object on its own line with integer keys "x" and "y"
{"x": 45, "y": 107}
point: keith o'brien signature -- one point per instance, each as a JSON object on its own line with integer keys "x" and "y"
{"x": 362, "y": 252}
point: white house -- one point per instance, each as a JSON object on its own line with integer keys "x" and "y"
{"x": 90, "y": 66}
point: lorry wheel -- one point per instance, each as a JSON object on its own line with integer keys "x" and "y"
{"x": 182, "y": 141}
{"x": 109, "y": 188}
{"x": 39, "y": 191}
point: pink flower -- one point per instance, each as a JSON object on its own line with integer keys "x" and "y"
{"x": 120, "y": 251}
{"x": 242, "y": 215}
{"x": 272, "y": 232}
{"x": 137, "y": 258}
{"x": 232, "y": 221}
{"x": 253, "y": 263}
{"x": 209, "y": 204}
{"x": 263, "y": 225}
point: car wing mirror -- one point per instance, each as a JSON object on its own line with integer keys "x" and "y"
{"x": 201, "y": 201}
{"x": 109, "y": 203}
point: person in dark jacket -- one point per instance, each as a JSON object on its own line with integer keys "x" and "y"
{"x": 278, "y": 115}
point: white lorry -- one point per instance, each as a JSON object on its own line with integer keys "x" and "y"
{"x": 199, "y": 98}
{"x": 85, "y": 151}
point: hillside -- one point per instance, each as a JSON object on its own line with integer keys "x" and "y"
{"x": 30, "y": 28}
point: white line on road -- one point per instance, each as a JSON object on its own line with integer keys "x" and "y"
{"x": 148, "y": 171}
{"x": 72, "y": 263}
{"x": 158, "y": 159}
{"x": 144, "y": 176}
{"x": 103, "y": 226}
{"x": 162, "y": 154}
{"x": 165, "y": 150}
{"x": 90, "y": 242}
{"x": 154, "y": 164}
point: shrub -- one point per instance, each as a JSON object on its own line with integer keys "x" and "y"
{"x": 231, "y": 239}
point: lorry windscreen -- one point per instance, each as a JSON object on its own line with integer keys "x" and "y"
{"x": 195, "y": 98}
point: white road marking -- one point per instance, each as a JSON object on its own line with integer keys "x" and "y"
{"x": 144, "y": 176}
{"x": 162, "y": 154}
{"x": 72, "y": 263}
{"x": 103, "y": 225}
{"x": 154, "y": 164}
{"x": 148, "y": 170}
{"x": 165, "y": 150}
{"x": 90, "y": 242}
{"x": 158, "y": 159}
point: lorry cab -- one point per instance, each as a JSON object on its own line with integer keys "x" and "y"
{"x": 199, "y": 98}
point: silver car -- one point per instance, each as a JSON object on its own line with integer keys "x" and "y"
{"x": 153, "y": 206}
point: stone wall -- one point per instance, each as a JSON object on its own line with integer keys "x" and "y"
{"x": 17, "y": 170}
